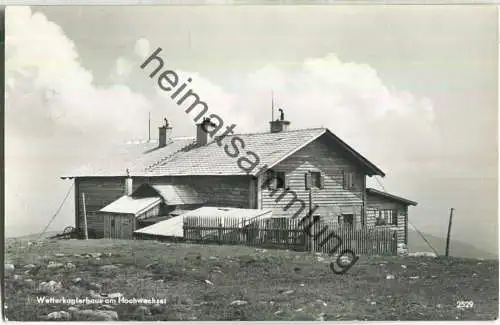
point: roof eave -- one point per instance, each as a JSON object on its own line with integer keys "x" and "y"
{"x": 391, "y": 197}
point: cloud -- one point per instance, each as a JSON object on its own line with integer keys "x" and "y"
{"x": 48, "y": 88}
{"x": 142, "y": 48}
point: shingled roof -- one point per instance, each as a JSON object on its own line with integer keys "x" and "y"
{"x": 181, "y": 157}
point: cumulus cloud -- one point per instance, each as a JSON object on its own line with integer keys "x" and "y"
{"x": 48, "y": 88}
{"x": 392, "y": 128}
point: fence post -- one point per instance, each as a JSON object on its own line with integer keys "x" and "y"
{"x": 220, "y": 232}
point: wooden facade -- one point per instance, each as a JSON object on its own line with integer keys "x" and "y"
{"x": 377, "y": 205}
{"x": 336, "y": 201}
{"x": 332, "y": 199}
{"x": 230, "y": 191}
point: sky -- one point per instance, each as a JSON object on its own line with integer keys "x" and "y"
{"x": 412, "y": 88}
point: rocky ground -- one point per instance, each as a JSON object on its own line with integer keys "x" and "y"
{"x": 236, "y": 283}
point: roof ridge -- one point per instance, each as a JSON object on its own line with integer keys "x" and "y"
{"x": 162, "y": 160}
{"x": 288, "y": 131}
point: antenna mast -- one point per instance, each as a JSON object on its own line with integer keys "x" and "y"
{"x": 149, "y": 127}
{"x": 272, "y": 105}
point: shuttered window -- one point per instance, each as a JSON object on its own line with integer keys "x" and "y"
{"x": 348, "y": 180}
{"x": 277, "y": 180}
{"x": 315, "y": 180}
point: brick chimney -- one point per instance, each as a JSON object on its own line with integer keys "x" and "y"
{"x": 279, "y": 125}
{"x": 202, "y": 130}
{"x": 164, "y": 134}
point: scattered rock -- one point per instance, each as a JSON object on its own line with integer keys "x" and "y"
{"x": 50, "y": 287}
{"x": 239, "y": 303}
{"x": 212, "y": 258}
{"x": 94, "y": 294}
{"x": 288, "y": 292}
{"x": 157, "y": 309}
{"x": 77, "y": 255}
{"x": 439, "y": 306}
{"x": 17, "y": 277}
{"x": 278, "y": 312}
{"x": 143, "y": 311}
{"x": 299, "y": 310}
{"x": 95, "y": 315}
{"x": 28, "y": 281}
{"x": 59, "y": 255}
{"x": 29, "y": 266}
{"x": 390, "y": 277}
{"x": 321, "y": 302}
{"x": 404, "y": 266}
{"x": 76, "y": 280}
{"x": 414, "y": 277}
{"x": 321, "y": 317}
{"x": 95, "y": 255}
{"x": 94, "y": 286}
{"x": 302, "y": 284}
{"x": 108, "y": 268}
{"x": 107, "y": 307}
{"x": 320, "y": 259}
{"x": 69, "y": 266}
{"x": 209, "y": 282}
{"x": 72, "y": 309}
{"x": 9, "y": 269}
{"x": 59, "y": 315}
{"x": 373, "y": 303}
{"x": 54, "y": 265}
{"x": 115, "y": 295}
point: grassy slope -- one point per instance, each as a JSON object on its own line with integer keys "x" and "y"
{"x": 261, "y": 278}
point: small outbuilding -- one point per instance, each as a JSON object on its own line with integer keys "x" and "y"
{"x": 147, "y": 205}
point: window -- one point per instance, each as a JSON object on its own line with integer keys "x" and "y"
{"x": 314, "y": 179}
{"x": 348, "y": 180}
{"x": 280, "y": 180}
{"x": 277, "y": 180}
{"x": 346, "y": 219}
{"x": 386, "y": 218}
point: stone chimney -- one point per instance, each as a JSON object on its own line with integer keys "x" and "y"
{"x": 202, "y": 130}
{"x": 279, "y": 125}
{"x": 164, "y": 134}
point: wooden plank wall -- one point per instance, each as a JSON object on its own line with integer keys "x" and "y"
{"x": 376, "y": 203}
{"x": 99, "y": 192}
{"x": 333, "y": 199}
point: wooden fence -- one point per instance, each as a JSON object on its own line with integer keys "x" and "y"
{"x": 289, "y": 234}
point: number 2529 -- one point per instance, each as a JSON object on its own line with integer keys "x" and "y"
{"x": 465, "y": 304}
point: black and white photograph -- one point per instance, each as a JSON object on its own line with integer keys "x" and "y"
{"x": 251, "y": 162}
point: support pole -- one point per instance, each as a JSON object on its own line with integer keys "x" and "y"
{"x": 313, "y": 249}
{"x": 86, "y": 232}
{"x": 449, "y": 233}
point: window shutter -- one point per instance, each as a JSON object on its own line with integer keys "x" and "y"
{"x": 344, "y": 180}
{"x": 395, "y": 217}
{"x": 307, "y": 177}
{"x": 286, "y": 181}
{"x": 321, "y": 181}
